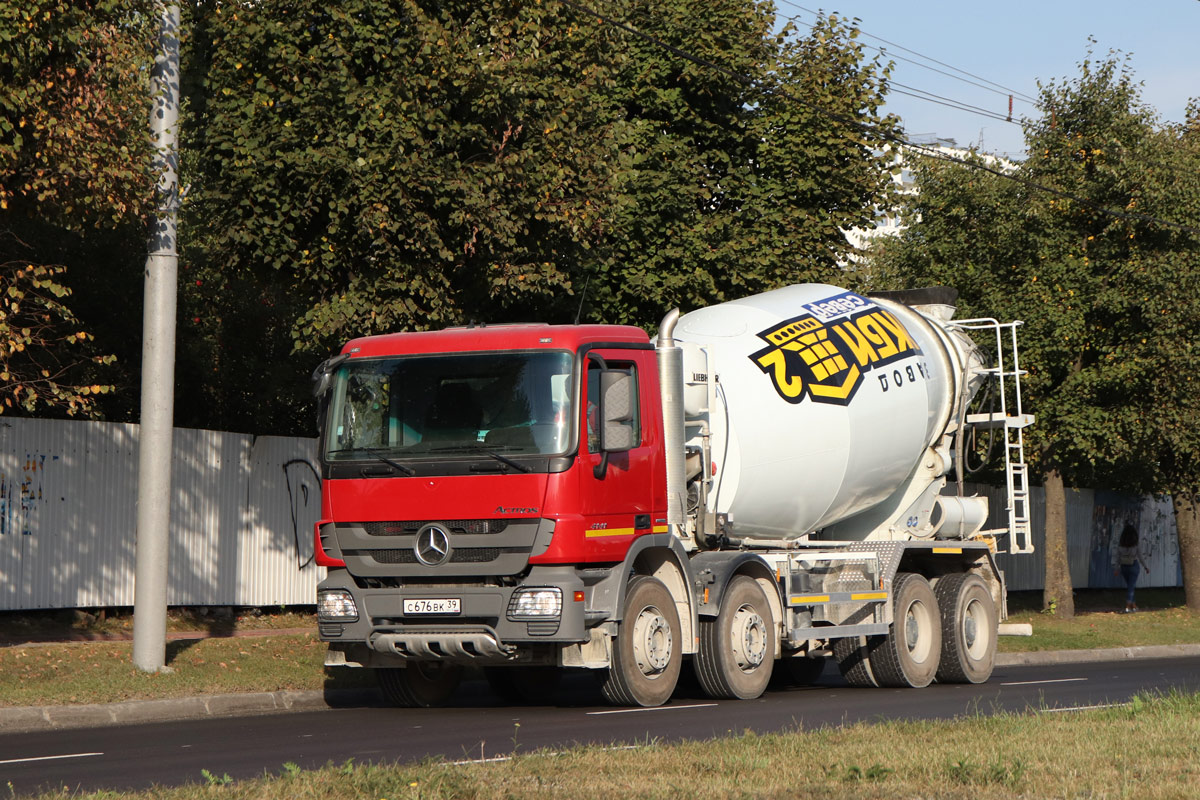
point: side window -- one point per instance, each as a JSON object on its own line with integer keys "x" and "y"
{"x": 633, "y": 420}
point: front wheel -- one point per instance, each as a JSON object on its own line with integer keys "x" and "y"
{"x": 969, "y": 629}
{"x": 422, "y": 684}
{"x": 647, "y": 651}
{"x": 737, "y": 647}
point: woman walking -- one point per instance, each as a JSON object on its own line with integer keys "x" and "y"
{"x": 1126, "y": 560}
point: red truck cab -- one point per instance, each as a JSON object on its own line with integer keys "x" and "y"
{"x": 478, "y": 484}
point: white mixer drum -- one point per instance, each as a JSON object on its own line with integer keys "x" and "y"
{"x": 825, "y": 400}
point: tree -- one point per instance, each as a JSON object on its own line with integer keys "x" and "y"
{"x": 390, "y": 164}
{"x": 1173, "y": 273}
{"x": 747, "y": 164}
{"x": 1086, "y": 266}
{"x": 73, "y": 175}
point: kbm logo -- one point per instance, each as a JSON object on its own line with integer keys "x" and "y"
{"x": 823, "y": 355}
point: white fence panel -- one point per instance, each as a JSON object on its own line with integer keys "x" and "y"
{"x": 1094, "y": 520}
{"x": 242, "y": 511}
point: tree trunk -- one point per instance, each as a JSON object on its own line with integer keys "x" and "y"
{"x": 1058, "y": 595}
{"x": 1187, "y": 525}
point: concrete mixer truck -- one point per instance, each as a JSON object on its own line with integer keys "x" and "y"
{"x": 758, "y": 491}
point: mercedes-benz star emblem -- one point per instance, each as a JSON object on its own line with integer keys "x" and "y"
{"x": 433, "y": 545}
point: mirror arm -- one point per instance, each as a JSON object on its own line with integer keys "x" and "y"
{"x": 601, "y": 469}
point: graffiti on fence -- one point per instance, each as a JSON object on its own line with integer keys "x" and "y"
{"x": 21, "y": 497}
{"x": 304, "y": 488}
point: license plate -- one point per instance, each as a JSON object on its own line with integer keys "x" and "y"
{"x": 432, "y": 605}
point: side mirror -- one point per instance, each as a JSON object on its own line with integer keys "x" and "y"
{"x": 616, "y": 407}
{"x": 617, "y": 415}
{"x": 323, "y": 375}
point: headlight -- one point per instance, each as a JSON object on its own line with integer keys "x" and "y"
{"x": 336, "y": 605}
{"x": 535, "y": 604}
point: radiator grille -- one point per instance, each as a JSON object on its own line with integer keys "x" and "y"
{"x": 410, "y": 527}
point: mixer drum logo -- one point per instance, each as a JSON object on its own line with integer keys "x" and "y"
{"x": 824, "y": 355}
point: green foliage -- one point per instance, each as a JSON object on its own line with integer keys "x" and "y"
{"x": 43, "y": 354}
{"x": 392, "y": 164}
{"x": 73, "y": 92}
{"x": 1107, "y": 298}
{"x": 737, "y": 188}
{"x": 212, "y": 779}
{"x": 73, "y": 112}
{"x": 398, "y": 164}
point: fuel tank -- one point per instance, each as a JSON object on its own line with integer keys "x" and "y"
{"x": 820, "y": 402}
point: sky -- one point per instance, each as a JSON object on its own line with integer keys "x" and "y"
{"x": 1015, "y": 44}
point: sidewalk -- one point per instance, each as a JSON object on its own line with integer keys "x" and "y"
{"x": 44, "y": 718}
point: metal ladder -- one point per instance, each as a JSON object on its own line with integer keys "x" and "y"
{"x": 1012, "y": 420}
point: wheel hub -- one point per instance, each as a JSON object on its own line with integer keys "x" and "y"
{"x": 917, "y": 635}
{"x": 975, "y": 630}
{"x": 749, "y": 639}
{"x": 652, "y": 641}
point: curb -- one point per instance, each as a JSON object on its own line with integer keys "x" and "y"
{"x": 47, "y": 718}
{"x": 133, "y": 712}
{"x": 1044, "y": 657}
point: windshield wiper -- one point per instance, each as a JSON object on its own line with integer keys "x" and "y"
{"x": 378, "y": 454}
{"x": 478, "y": 448}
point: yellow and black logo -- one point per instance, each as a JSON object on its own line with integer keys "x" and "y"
{"x": 825, "y": 359}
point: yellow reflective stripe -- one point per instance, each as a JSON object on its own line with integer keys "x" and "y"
{"x": 869, "y": 596}
{"x": 810, "y": 598}
{"x": 659, "y": 529}
{"x": 608, "y": 532}
{"x": 952, "y": 550}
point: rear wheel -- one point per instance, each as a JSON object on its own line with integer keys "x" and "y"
{"x": 647, "y": 651}
{"x": 969, "y": 629}
{"x": 737, "y": 648}
{"x": 422, "y": 684}
{"x": 853, "y": 656}
{"x": 910, "y": 653}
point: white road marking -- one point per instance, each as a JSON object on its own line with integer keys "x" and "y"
{"x": 656, "y": 708}
{"x": 49, "y": 758}
{"x": 492, "y": 760}
{"x": 1035, "y": 683}
{"x": 1086, "y": 708}
{"x": 497, "y": 759}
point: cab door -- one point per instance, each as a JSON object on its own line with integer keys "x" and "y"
{"x": 618, "y": 486}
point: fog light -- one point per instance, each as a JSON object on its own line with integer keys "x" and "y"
{"x": 535, "y": 604}
{"x": 336, "y": 605}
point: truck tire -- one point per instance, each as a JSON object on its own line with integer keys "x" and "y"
{"x": 908, "y": 656}
{"x": 422, "y": 684}
{"x": 647, "y": 651}
{"x": 737, "y": 647}
{"x": 853, "y": 656}
{"x": 526, "y": 685}
{"x": 969, "y": 629}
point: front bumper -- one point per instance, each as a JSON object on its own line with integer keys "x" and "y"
{"x": 480, "y": 632}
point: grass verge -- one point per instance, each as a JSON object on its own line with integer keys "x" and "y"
{"x": 1099, "y": 622}
{"x": 1148, "y": 749}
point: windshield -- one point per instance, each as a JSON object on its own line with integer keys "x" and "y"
{"x": 510, "y": 403}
